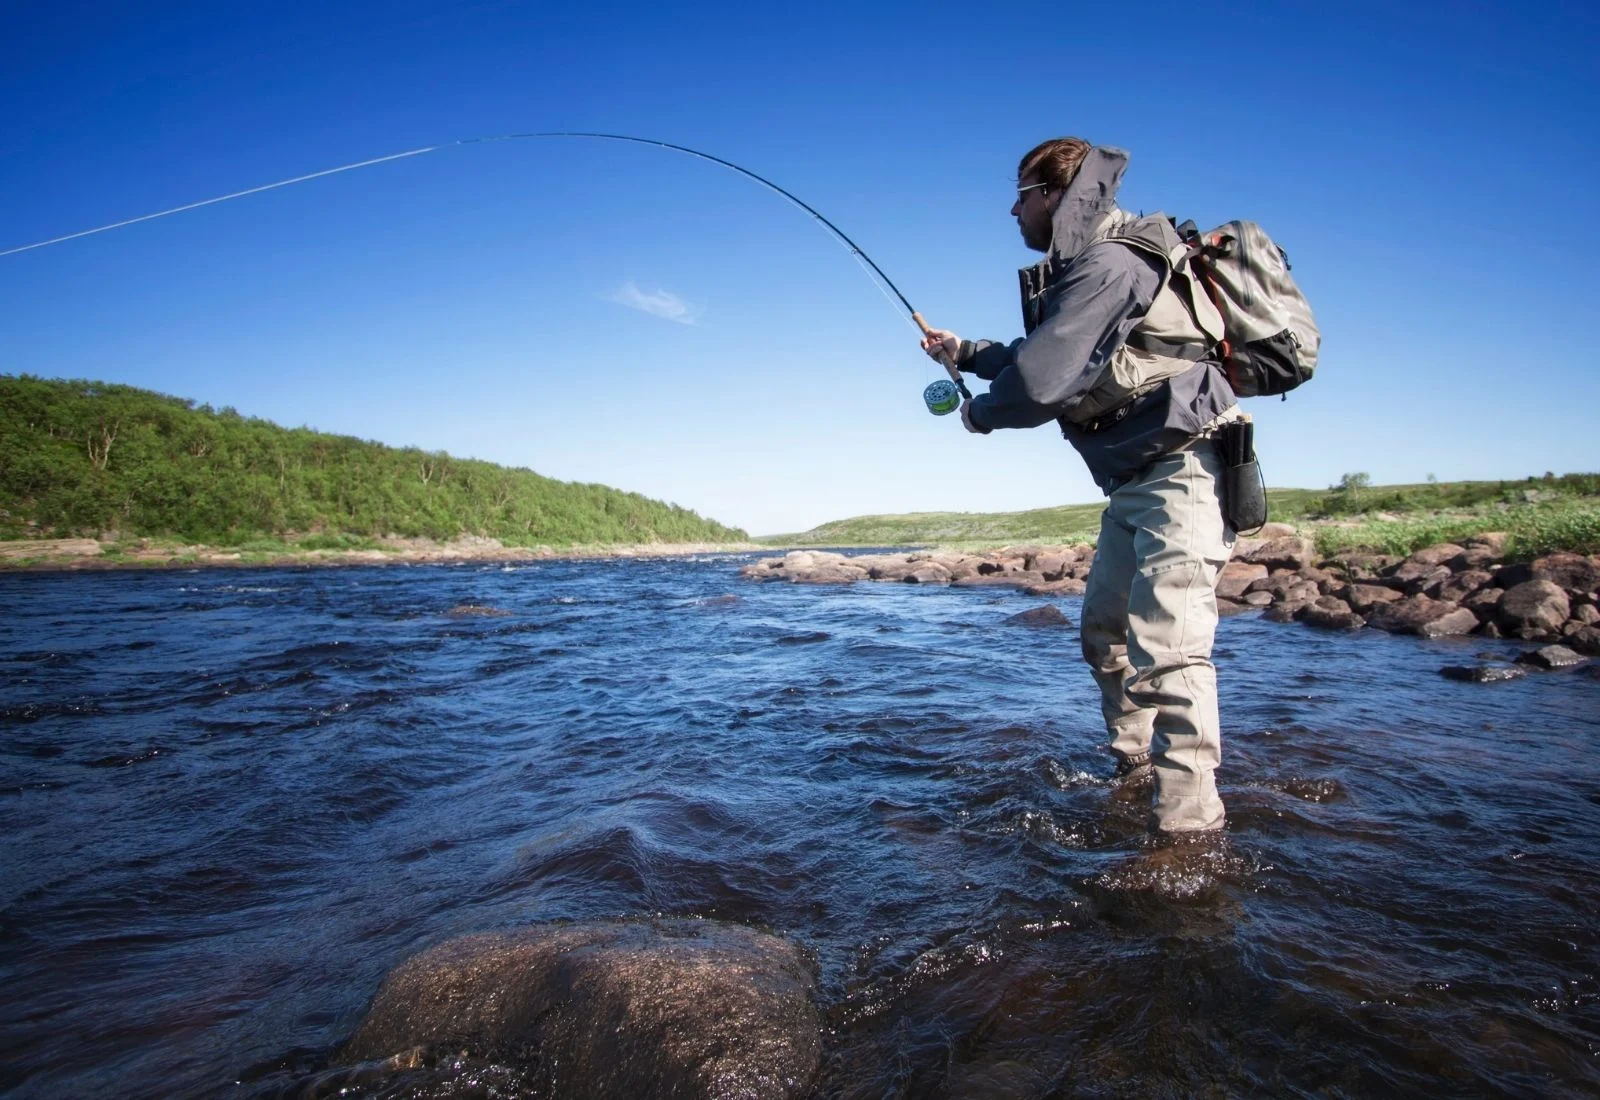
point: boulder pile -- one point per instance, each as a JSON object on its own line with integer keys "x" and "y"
{"x": 1439, "y": 591}
{"x": 1442, "y": 590}
{"x": 1038, "y": 570}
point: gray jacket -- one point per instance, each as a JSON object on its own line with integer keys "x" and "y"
{"x": 1101, "y": 290}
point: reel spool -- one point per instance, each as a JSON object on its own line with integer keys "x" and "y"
{"x": 942, "y": 397}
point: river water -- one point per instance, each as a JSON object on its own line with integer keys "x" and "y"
{"x": 232, "y": 800}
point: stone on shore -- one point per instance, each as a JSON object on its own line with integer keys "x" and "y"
{"x": 682, "y": 1008}
{"x": 1456, "y": 587}
{"x": 1409, "y": 615}
{"x": 1288, "y": 552}
{"x": 1364, "y": 597}
{"x": 1534, "y": 609}
{"x": 1331, "y": 613}
{"x": 1050, "y": 571}
{"x": 1572, "y": 573}
{"x": 1237, "y": 577}
{"x": 1066, "y": 586}
{"x": 1452, "y": 623}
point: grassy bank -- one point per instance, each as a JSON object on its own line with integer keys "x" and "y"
{"x": 91, "y": 459}
{"x": 1540, "y": 514}
{"x": 148, "y": 553}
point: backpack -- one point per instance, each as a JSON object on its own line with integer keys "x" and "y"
{"x": 1270, "y": 340}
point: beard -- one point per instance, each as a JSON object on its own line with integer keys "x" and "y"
{"x": 1036, "y": 237}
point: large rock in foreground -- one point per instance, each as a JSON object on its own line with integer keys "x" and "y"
{"x": 672, "y": 1008}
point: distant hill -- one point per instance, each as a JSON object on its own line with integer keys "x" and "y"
{"x": 81, "y": 458}
{"x": 1540, "y": 513}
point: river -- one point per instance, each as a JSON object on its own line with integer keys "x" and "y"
{"x": 232, "y": 800}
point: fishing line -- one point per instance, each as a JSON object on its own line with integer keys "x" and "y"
{"x": 873, "y": 271}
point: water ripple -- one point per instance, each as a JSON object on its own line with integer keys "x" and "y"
{"x": 234, "y": 799}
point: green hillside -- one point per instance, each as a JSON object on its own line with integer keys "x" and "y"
{"x": 84, "y": 458}
{"x": 1540, "y": 514}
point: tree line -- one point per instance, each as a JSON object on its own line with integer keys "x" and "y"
{"x": 93, "y": 458}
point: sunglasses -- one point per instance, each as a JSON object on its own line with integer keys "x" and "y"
{"x": 1022, "y": 192}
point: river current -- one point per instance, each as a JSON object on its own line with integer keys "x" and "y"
{"x": 232, "y": 800}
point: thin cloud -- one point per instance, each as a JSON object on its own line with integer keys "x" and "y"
{"x": 657, "y": 303}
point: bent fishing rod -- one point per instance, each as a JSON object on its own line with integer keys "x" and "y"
{"x": 941, "y": 397}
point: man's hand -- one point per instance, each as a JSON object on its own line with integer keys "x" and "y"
{"x": 941, "y": 344}
{"x": 966, "y": 419}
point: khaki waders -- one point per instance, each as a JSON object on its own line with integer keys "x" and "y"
{"x": 1149, "y": 617}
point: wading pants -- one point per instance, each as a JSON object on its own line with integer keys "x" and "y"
{"x": 1149, "y": 617}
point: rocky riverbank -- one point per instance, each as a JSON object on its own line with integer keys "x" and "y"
{"x": 1440, "y": 591}
{"x": 84, "y": 554}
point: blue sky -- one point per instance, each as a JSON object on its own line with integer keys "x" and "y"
{"x": 611, "y": 313}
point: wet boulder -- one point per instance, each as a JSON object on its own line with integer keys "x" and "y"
{"x": 679, "y": 1008}
{"x": 1533, "y": 609}
{"x": 1048, "y": 615}
{"x": 1551, "y": 657}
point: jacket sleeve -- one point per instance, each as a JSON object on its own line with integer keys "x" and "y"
{"x": 986, "y": 358}
{"x": 1099, "y": 301}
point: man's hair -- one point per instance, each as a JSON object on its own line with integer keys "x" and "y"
{"x": 1055, "y": 162}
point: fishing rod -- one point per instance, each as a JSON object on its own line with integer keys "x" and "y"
{"x": 941, "y": 397}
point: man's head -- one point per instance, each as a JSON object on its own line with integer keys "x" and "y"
{"x": 1042, "y": 178}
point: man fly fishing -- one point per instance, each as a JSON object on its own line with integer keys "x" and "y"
{"x": 1118, "y": 351}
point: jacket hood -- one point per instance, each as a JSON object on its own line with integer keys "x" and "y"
{"x": 1090, "y": 196}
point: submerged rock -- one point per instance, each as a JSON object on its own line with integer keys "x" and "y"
{"x": 1482, "y": 674}
{"x": 680, "y": 1008}
{"x": 475, "y": 610}
{"x": 1048, "y": 615}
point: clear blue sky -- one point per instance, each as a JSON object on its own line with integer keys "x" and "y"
{"x": 1430, "y": 169}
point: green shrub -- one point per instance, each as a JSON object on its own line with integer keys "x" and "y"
{"x": 79, "y": 458}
